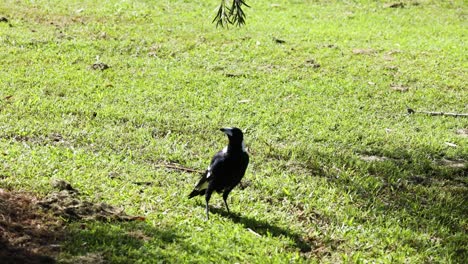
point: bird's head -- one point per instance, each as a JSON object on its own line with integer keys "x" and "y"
{"x": 234, "y": 134}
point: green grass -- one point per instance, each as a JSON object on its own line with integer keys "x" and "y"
{"x": 174, "y": 79}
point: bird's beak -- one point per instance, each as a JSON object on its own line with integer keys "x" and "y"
{"x": 227, "y": 131}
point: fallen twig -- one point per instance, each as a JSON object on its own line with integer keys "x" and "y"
{"x": 143, "y": 183}
{"x": 177, "y": 167}
{"x": 412, "y": 111}
{"x": 253, "y": 232}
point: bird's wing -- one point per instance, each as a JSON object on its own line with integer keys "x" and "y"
{"x": 215, "y": 165}
{"x": 245, "y": 164}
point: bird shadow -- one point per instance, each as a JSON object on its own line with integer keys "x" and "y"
{"x": 264, "y": 228}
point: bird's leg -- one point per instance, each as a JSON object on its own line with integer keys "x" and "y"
{"x": 207, "y": 199}
{"x": 227, "y": 207}
{"x": 225, "y": 196}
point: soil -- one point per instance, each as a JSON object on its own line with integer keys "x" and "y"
{"x": 33, "y": 228}
{"x": 27, "y": 234}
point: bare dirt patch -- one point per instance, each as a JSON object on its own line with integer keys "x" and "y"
{"x": 27, "y": 234}
{"x": 67, "y": 203}
{"x": 32, "y": 228}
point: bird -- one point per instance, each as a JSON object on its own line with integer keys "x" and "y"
{"x": 226, "y": 170}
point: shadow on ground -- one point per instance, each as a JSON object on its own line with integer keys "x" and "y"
{"x": 117, "y": 242}
{"x": 10, "y": 254}
{"x": 264, "y": 228}
{"x": 425, "y": 195}
{"x": 64, "y": 227}
{"x": 27, "y": 235}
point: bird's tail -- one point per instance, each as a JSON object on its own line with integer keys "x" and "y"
{"x": 196, "y": 193}
{"x": 200, "y": 189}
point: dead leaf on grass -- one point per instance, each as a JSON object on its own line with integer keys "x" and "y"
{"x": 395, "y": 5}
{"x": 138, "y": 234}
{"x": 363, "y": 51}
{"x": 399, "y": 88}
{"x": 393, "y": 52}
{"x": 100, "y": 66}
{"x": 62, "y": 185}
{"x": 370, "y": 158}
{"x": 312, "y": 63}
{"x": 253, "y": 232}
{"x": 234, "y": 75}
{"x": 453, "y": 163}
{"x": 152, "y": 54}
{"x": 244, "y": 184}
{"x": 279, "y": 41}
{"x": 391, "y": 67}
{"x": 462, "y": 132}
{"x": 451, "y": 144}
{"x": 388, "y": 57}
{"x": 102, "y": 35}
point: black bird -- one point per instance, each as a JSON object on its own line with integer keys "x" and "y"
{"x": 226, "y": 169}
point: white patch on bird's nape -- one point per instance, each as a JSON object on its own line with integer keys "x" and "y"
{"x": 244, "y": 149}
{"x": 224, "y": 151}
{"x": 208, "y": 174}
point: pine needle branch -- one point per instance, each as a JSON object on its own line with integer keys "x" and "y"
{"x": 233, "y": 15}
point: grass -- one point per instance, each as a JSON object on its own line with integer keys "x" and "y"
{"x": 339, "y": 172}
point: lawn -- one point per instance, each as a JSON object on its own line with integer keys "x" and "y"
{"x": 106, "y": 95}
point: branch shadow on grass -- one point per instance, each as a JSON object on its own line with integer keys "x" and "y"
{"x": 264, "y": 228}
{"x": 121, "y": 242}
{"x": 409, "y": 185}
{"x": 425, "y": 195}
{"x": 423, "y": 190}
